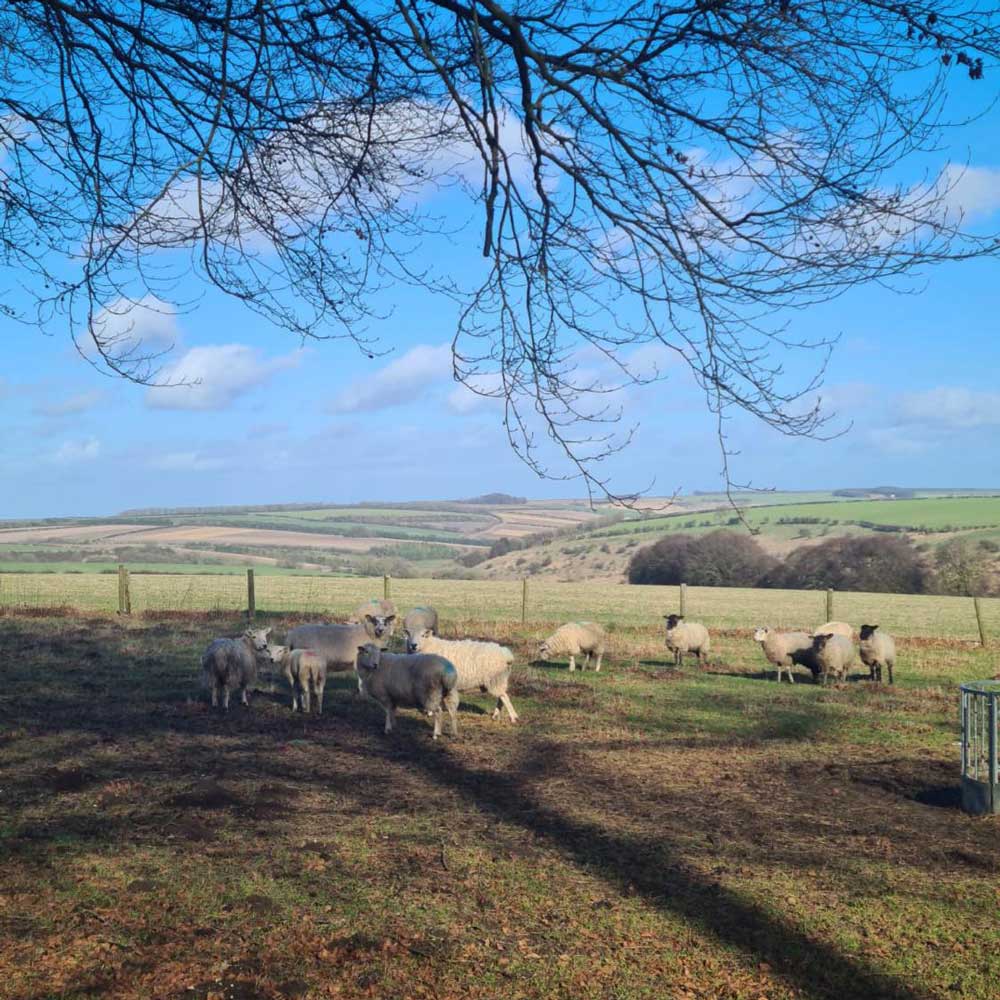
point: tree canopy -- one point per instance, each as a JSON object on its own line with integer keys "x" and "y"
{"x": 639, "y": 173}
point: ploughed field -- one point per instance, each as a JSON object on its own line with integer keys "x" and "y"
{"x": 643, "y": 832}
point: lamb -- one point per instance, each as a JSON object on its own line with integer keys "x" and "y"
{"x": 878, "y": 650}
{"x": 686, "y": 637}
{"x": 414, "y": 680}
{"x": 834, "y": 655}
{"x": 302, "y": 668}
{"x": 481, "y": 666}
{"x": 786, "y": 648}
{"x": 415, "y": 622}
{"x": 576, "y": 639}
{"x": 378, "y": 616}
{"x": 231, "y": 664}
{"x": 835, "y": 628}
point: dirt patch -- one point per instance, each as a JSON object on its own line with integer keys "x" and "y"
{"x": 67, "y": 779}
{"x": 224, "y": 989}
{"x": 206, "y": 795}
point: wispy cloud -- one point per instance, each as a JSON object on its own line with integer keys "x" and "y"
{"x": 949, "y": 408}
{"x": 74, "y": 452}
{"x": 402, "y": 381}
{"x": 70, "y": 405}
{"x": 186, "y": 461}
{"x": 212, "y": 378}
{"x": 972, "y": 191}
{"x": 133, "y": 330}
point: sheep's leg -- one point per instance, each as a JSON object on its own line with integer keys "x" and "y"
{"x": 451, "y": 703}
{"x": 319, "y": 697}
{"x": 244, "y": 698}
{"x": 305, "y": 696}
{"x": 215, "y": 695}
{"x": 888, "y": 666}
{"x": 597, "y": 669}
{"x": 390, "y": 718}
{"x": 572, "y": 663}
{"x": 225, "y": 699}
{"x": 509, "y": 706}
{"x": 437, "y": 722}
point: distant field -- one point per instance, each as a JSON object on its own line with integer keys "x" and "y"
{"x": 500, "y": 601}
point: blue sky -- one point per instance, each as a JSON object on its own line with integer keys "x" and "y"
{"x": 273, "y": 421}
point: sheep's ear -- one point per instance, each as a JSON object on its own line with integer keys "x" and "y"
{"x": 370, "y": 618}
{"x": 390, "y": 618}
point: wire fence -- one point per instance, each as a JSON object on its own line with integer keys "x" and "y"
{"x": 502, "y": 601}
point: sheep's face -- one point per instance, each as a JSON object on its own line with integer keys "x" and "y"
{"x": 867, "y": 631}
{"x": 761, "y": 634}
{"x": 379, "y": 625}
{"x": 673, "y": 621}
{"x": 369, "y": 656}
{"x": 258, "y": 638}
{"x": 277, "y": 653}
{"x": 820, "y": 641}
{"x": 411, "y": 640}
{"x": 543, "y": 651}
{"x": 416, "y": 640}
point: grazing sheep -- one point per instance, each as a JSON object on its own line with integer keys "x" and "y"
{"x": 835, "y": 628}
{"x": 378, "y": 616}
{"x": 417, "y": 621}
{"x": 576, "y": 639}
{"x": 878, "y": 650}
{"x": 481, "y": 666}
{"x": 302, "y": 668}
{"x": 784, "y": 649}
{"x": 231, "y": 664}
{"x": 686, "y": 637}
{"x": 834, "y": 655}
{"x": 410, "y": 680}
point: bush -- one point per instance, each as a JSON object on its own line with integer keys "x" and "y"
{"x": 961, "y": 569}
{"x": 878, "y": 564}
{"x": 718, "y": 559}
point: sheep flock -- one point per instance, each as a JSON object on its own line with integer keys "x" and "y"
{"x": 430, "y": 673}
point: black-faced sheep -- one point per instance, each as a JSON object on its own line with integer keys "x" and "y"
{"x": 878, "y": 650}
{"x": 834, "y": 655}
{"x": 686, "y": 637}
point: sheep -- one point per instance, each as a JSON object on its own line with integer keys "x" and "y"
{"x": 481, "y": 666}
{"x": 877, "y": 649}
{"x": 229, "y": 664}
{"x": 414, "y": 680}
{"x": 686, "y": 637}
{"x": 576, "y": 639}
{"x": 835, "y": 628}
{"x": 786, "y": 648}
{"x": 378, "y": 616}
{"x": 834, "y": 655}
{"x": 302, "y": 668}
{"x": 336, "y": 644}
{"x": 415, "y": 622}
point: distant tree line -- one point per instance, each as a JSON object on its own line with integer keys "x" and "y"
{"x": 876, "y": 564}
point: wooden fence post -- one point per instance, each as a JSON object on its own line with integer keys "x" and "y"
{"x": 829, "y": 606}
{"x": 387, "y": 586}
{"x": 124, "y": 596}
{"x": 979, "y": 622}
{"x": 683, "y": 600}
{"x": 251, "y": 597}
{"x": 524, "y": 599}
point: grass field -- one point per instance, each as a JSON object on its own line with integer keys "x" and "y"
{"x": 642, "y": 833}
{"x": 499, "y": 601}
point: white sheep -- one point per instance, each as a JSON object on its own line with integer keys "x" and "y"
{"x": 878, "y": 650}
{"x": 231, "y": 664}
{"x": 835, "y": 628}
{"x": 409, "y": 680}
{"x": 378, "y": 616}
{"x": 574, "y": 639}
{"x": 416, "y": 620}
{"x": 784, "y": 649}
{"x": 834, "y": 655}
{"x": 686, "y": 637}
{"x": 481, "y": 666}
{"x": 303, "y": 668}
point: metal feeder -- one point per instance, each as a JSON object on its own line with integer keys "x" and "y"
{"x": 980, "y": 746}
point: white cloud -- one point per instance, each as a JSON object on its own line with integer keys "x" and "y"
{"x": 400, "y": 382}
{"x": 213, "y": 377}
{"x": 463, "y": 399}
{"x": 972, "y": 191}
{"x": 70, "y": 405}
{"x": 72, "y": 452}
{"x": 135, "y": 330}
{"x": 949, "y": 408}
